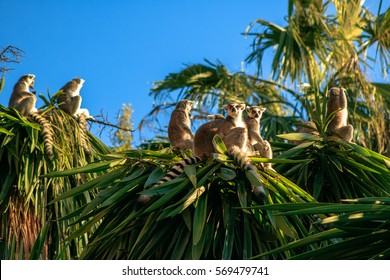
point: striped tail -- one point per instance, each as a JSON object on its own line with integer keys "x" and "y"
{"x": 174, "y": 172}
{"x": 46, "y": 132}
{"x": 83, "y": 123}
{"x": 242, "y": 159}
{"x": 177, "y": 170}
{"x": 246, "y": 164}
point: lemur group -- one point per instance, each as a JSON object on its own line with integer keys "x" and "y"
{"x": 241, "y": 136}
{"x": 69, "y": 100}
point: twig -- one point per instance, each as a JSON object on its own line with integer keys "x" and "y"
{"x": 10, "y": 54}
{"x": 110, "y": 124}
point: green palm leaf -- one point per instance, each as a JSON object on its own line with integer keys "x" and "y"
{"x": 361, "y": 230}
{"x": 207, "y": 216}
{"x": 28, "y": 221}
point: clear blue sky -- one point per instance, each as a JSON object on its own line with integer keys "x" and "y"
{"x": 121, "y": 47}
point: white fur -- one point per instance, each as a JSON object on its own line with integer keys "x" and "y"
{"x": 85, "y": 112}
{"x": 240, "y": 123}
{"x": 344, "y": 120}
{"x": 26, "y": 85}
{"x": 79, "y": 86}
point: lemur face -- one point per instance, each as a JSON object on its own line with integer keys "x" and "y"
{"x": 29, "y": 80}
{"x": 234, "y": 108}
{"x": 255, "y": 111}
{"x": 185, "y": 105}
{"x": 73, "y": 87}
{"x": 189, "y": 104}
{"x": 79, "y": 81}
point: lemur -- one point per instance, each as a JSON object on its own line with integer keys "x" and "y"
{"x": 233, "y": 133}
{"x": 24, "y": 102}
{"x": 203, "y": 146}
{"x": 255, "y": 140}
{"x": 179, "y": 130}
{"x": 70, "y": 102}
{"x": 339, "y": 124}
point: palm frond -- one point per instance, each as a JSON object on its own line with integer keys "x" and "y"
{"x": 335, "y": 169}
{"x": 199, "y": 215}
{"x": 361, "y": 226}
{"x": 30, "y": 228}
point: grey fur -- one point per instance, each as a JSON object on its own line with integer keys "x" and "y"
{"x": 24, "y": 102}
{"x": 339, "y": 125}
{"x": 254, "y": 138}
{"x": 179, "y": 130}
{"x": 21, "y": 98}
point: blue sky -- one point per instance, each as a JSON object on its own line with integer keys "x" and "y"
{"x": 121, "y": 47}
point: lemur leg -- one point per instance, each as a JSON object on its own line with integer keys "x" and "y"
{"x": 74, "y": 106}
{"x": 266, "y": 152}
{"x": 345, "y": 132}
{"x": 237, "y": 137}
{"x": 27, "y": 105}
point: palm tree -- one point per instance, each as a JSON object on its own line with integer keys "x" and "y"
{"x": 203, "y": 214}
{"x": 31, "y": 227}
{"x": 212, "y": 211}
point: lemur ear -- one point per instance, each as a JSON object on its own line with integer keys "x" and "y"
{"x": 243, "y": 105}
{"x": 248, "y": 108}
{"x": 262, "y": 109}
{"x": 225, "y": 106}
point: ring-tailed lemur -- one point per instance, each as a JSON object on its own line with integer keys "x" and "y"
{"x": 24, "y": 102}
{"x": 179, "y": 130}
{"x": 233, "y": 133}
{"x": 256, "y": 141}
{"x": 339, "y": 124}
{"x": 70, "y": 101}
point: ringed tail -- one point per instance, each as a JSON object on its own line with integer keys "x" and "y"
{"x": 177, "y": 170}
{"x": 242, "y": 159}
{"x": 174, "y": 172}
{"x": 246, "y": 164}
{"x": 46, "y": 132}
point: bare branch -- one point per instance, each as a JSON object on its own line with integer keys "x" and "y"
{"x": 10, "y": 54}
{"x": 110, "y": 124}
